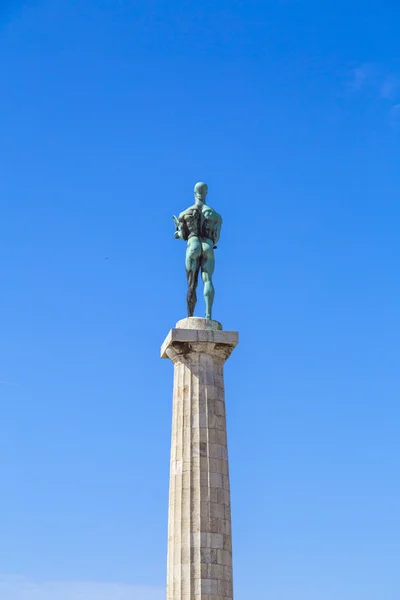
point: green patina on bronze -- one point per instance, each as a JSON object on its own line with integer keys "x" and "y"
{"x": 200, "y": 226}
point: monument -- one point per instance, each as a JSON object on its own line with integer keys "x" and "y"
{"x": 199, "y": 565}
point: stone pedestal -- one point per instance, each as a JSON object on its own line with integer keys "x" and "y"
{"x": 199, "y": 525}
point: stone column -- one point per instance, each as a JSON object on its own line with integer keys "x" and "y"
{"x": 199, "y": 523}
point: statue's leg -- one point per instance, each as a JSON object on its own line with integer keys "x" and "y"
{"x": 207, "y": 270}
{"x": 193, "y": 255}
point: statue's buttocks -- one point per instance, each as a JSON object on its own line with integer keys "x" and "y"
{"x": 199, "y": 225}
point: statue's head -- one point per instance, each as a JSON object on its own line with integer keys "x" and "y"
{"x": 200, "y": 191}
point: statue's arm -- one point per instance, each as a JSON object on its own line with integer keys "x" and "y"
{"x": 216, "y": 227}
{"x": 180, "y": 229}
{"x": 217, "y": 230}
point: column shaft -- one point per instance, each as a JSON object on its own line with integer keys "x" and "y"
{"x": 199, "y": 529}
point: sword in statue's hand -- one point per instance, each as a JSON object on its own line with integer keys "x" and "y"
{"x": 178, "y": 227}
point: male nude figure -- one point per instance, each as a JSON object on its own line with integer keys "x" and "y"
{"x": 200, "y": 226}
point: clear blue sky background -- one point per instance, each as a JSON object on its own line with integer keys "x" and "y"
{"x": 110, "y": 111}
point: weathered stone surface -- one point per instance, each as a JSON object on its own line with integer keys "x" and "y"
{"x": 199, "y": 527}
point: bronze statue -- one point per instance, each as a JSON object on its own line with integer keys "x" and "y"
{"x": 200, "y": 226}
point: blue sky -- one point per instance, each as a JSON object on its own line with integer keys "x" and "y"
{"x": 110, "y": 112}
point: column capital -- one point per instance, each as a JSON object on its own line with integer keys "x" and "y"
{"x": 194, "y": 335}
